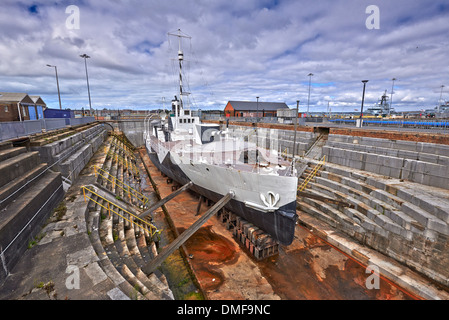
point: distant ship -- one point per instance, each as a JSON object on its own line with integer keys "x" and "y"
{"x": 441, "y": 111}
{"x": 216, "y": 162}
{"x": 382, "y": 108}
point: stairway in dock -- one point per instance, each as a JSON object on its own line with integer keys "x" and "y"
{"x": 405, "y": 219}
{"x": 28, "y": 193}
{"x": 123, "y": 246}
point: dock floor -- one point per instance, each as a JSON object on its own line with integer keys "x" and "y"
{"x": 310, "y": 268}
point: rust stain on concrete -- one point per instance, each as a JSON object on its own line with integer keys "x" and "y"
{"x": 307, "y": 269}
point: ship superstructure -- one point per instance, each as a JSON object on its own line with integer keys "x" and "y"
{"x": 216, "y": 163}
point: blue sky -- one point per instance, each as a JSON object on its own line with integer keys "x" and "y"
{"x": 238, "y": 50}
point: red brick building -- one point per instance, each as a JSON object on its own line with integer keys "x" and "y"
{"x": 253, "y": 108}
{"x": 20, "y": 106}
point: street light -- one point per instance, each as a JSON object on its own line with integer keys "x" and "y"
{"x": 308, "y": 100}
{"x": 294, "y": 137}
{"x": 257, "y": 109}
{"x": 441, "y": 95}
{"x": 391, "y": 97}
{"x": 363, "y": 100}
{"x": 57, "y": 83}
{"x": 85, "y": 56}
{"x": 257, "y": 135}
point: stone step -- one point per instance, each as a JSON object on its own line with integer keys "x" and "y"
{"x": 16, "y": 166}
{"x": 304, "y": 206}
{"x": 424, "y": 208}
{"x": 123, "y": 250}
{"x": 119, "y": 255}
{"x": 28, "y": 213}
{"x": 375, "y": 209}
{"x": 434, "y": 201}
{"x": 405, "y": 154}
{"x": 10, "y": 191}
{"x": 104, "y": 261}
{"x": 406, "y": 215}
{"x": 154, "y": 286}
{"x": 421, "y": 172}
{"x": 426, "y": 219}
{"x": 11, "y": 153}
{"x": 127, "y": 258}
{"x": 100, "y": 223}
{"x": 327, "y": 209}
{"x": 403, "y": 145}
{"x": 6, "y": 145}
{"x": 361, "y": 208}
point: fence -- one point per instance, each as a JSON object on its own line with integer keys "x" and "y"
{"x": 413, "y": 124}
{"x": 17, "y": 129}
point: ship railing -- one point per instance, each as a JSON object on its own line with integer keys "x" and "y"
{"x": 132, "y": 193}
{"x": 312, "y": 174}
{"x": 113, "y": 208}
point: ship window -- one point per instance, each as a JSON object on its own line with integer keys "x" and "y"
{"x": 180, "y": 120}
{"x": 193, "y": 120}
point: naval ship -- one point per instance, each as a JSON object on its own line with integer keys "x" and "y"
{"x": 382, "y": 108}
{"x": 217, "y": 162}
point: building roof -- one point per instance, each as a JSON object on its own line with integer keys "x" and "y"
{"x": 38, "y": 100}
{"x": 254, "y": 105}
{"x": 15, "y": 97}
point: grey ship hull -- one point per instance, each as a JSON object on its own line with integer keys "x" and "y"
{"x": 280, "y": 224}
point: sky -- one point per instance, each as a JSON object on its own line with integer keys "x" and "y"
{"x": 235, "y": 50}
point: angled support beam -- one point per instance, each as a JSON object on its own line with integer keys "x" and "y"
{"x": 161, "y": 202}
{"x": 198, "y": 208}
{"x": 151, "y": 266}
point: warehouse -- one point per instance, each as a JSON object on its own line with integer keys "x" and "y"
{"x": 253, "y": 108}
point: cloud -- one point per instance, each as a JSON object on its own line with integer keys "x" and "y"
{"x": 238, "y": 50}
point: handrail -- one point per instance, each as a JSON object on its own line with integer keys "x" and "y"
{"x": 121, "y": 139}
{"x": 126, "y": 188}
{"x": 284, "y": 153}
{"x": 312, "y": 174}
{"x": 123, "y": 161}
{"x": 128, "y": 153}
{"x": 151, "y": 227}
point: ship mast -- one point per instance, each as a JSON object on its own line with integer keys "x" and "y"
{"x": 180, "y": 35}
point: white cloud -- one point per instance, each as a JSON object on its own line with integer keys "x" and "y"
{"x": 238, "y": 50}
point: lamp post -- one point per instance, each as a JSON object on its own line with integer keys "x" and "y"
{"x": 85, "y": 56}
{"x": 441, "y": 95}
{"x": 257, "y": 135}
{"x": 391, "y": 97}
{"x": 363, "y": 100}
{"x": 308, "y": 100}
{"x": 294, "y": 137}
{"x": 57, "y": 84}
{"x": 257, "y": 109}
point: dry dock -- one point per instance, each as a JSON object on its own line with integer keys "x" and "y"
{"x": 324, "y": 262}
{"x": 310, "y": 268}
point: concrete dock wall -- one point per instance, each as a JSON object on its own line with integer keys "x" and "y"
{"x": 269, "y": 136}
{"x": 133, "y": 130}
{"x": 72, "y": 153}
{"x": 425, "y": 163}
